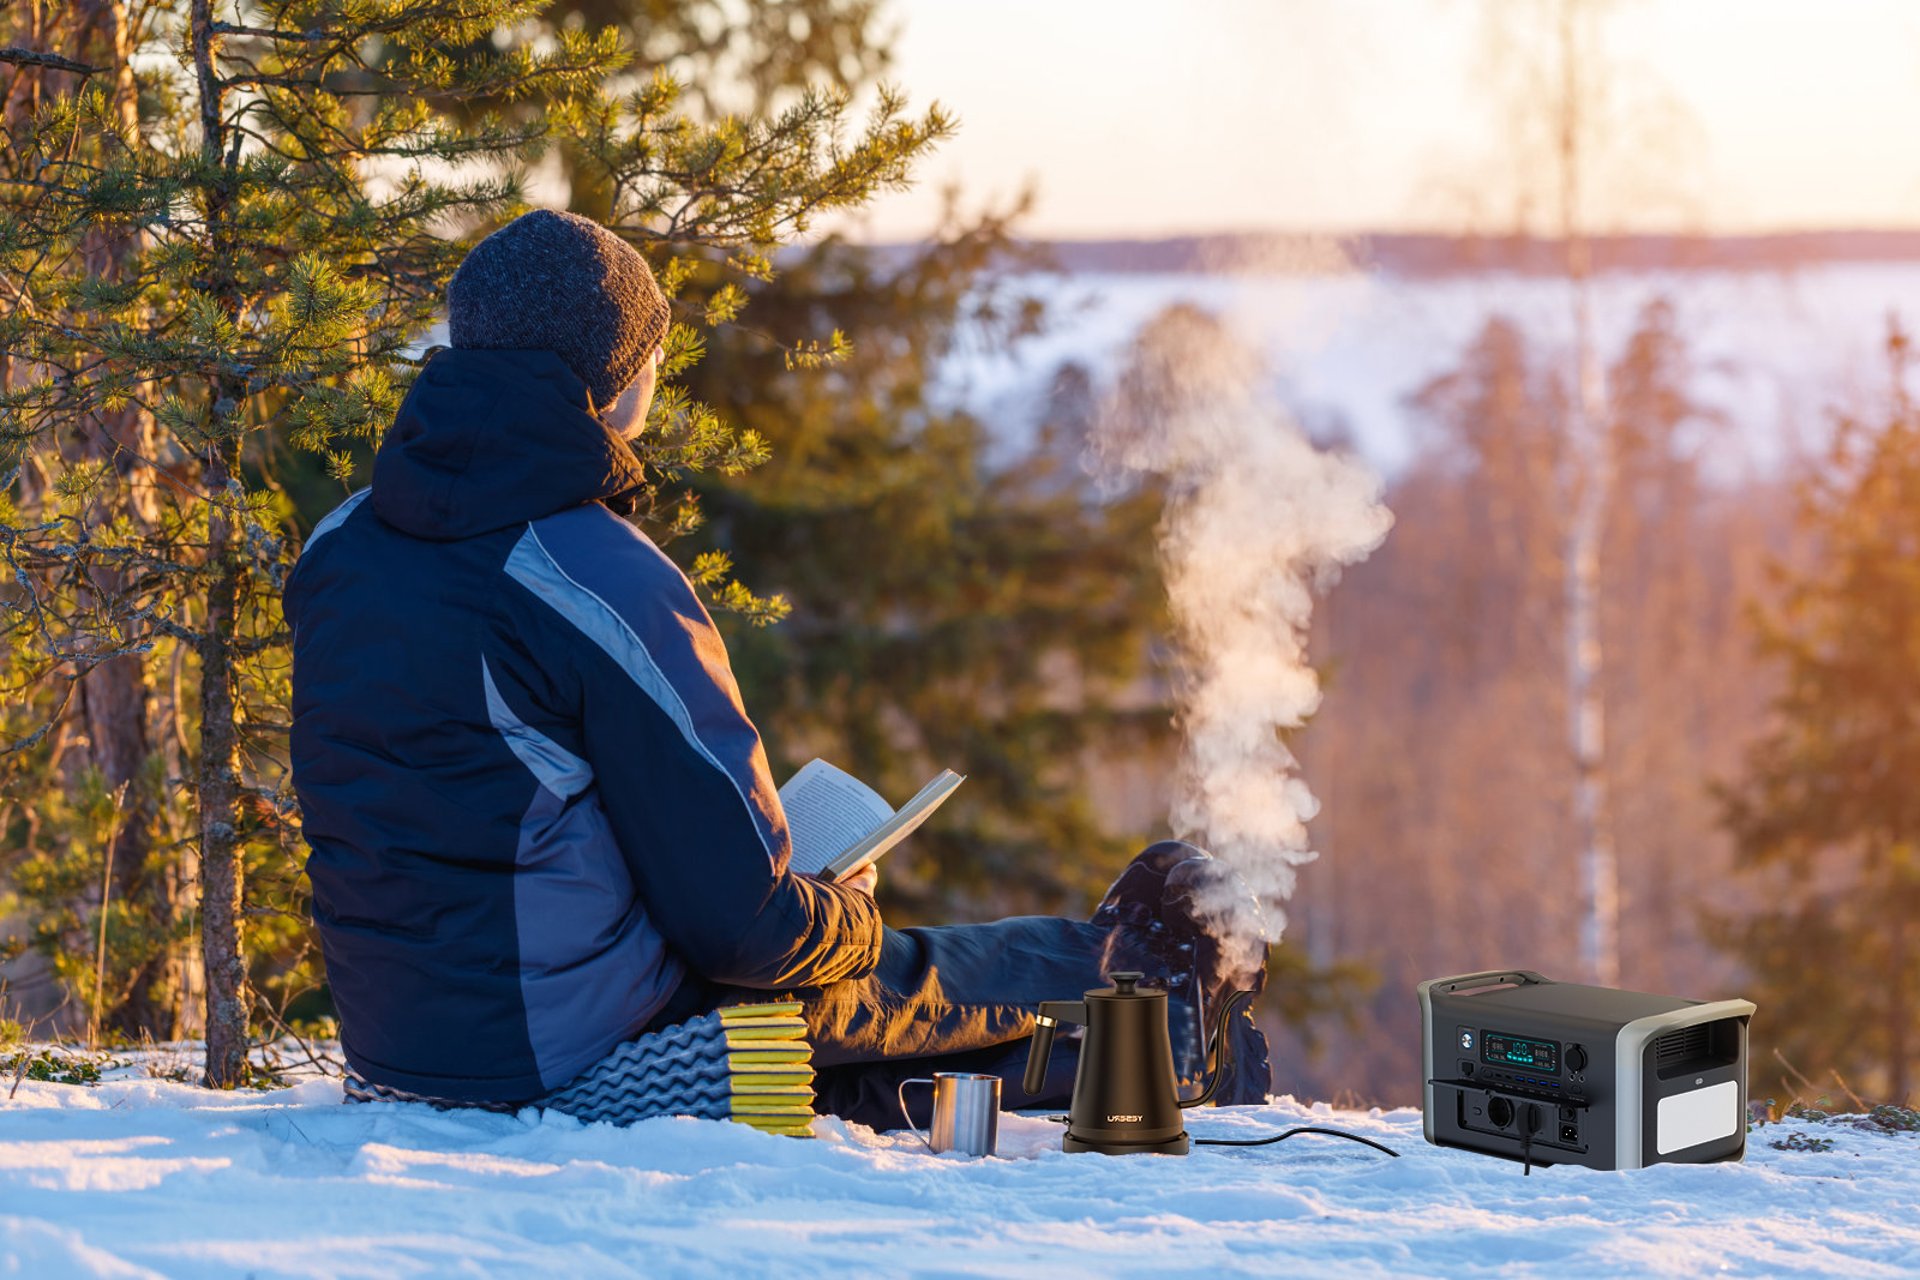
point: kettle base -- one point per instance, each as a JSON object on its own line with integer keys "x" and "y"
{"x": 1174, "y": 1146}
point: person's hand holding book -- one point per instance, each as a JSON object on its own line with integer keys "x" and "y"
{"x": 866, "y": 882}
{"x": 838, "y": 823}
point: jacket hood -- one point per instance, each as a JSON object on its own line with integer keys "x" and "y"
{"x": 489, "y": 439}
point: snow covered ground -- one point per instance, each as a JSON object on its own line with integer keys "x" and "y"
{"x": 140, "y": 1177}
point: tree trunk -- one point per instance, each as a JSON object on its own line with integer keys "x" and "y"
{"x": 114, "y": 698}
{"x": 218, "y": 772}
{"x": 1590, "y": 465}
{"x": 21, "y": 98}
{"x": 1900, "y": 999}
{"x": 113, "y": 706}
{"x": 219, "y": 795}
{"x": 1586, "y": 660}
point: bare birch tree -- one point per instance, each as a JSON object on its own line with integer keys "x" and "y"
{"x": 1573, "y": 139}
{"x": 1587, "y": 482}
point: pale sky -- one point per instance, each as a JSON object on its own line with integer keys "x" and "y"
{"x": 1136, "y": 118}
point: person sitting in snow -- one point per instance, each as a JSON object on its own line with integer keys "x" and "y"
{"x": 540, "y": 820}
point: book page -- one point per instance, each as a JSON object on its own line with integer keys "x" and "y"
{"x": 828, "y": 811}
{"x": 896, "y": 828}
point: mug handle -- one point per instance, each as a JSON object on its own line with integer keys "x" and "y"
{"x": 901, "y": 1094}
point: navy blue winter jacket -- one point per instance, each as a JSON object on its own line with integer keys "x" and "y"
{"x": 533, "y": 799}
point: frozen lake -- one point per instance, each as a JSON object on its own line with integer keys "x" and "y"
{"x": 1777, "y": 352}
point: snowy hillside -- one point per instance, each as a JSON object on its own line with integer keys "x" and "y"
{"x": 142, "y": 1177}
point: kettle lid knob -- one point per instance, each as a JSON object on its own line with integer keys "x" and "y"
{"x": 1124, "y": 982}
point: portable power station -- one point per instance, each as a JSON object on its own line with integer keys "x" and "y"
{"x": 1547, "y": 1072}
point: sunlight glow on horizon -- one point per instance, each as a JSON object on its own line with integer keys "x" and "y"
{"x": 1137, "y": 119}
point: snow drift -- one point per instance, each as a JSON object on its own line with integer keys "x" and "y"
{"x": 141, "y": 1177}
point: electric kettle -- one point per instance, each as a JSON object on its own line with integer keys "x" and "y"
{"x": 1124, "y": 1094}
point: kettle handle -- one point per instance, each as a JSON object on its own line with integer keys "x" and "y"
{"x": 1222, "y": 1046}
{"x": 1052, "y": 1014}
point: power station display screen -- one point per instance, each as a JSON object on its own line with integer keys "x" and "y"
{"x": 1520, "y": 1051}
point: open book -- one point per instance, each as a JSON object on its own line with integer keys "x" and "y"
{"x": 840, "y": 825}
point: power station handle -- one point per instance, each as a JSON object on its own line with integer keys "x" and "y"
{"x": 1052, "y": 1014}
{"x": 1517, "y": 977}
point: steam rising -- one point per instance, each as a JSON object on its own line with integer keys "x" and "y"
{"x": 1258, "y": 522}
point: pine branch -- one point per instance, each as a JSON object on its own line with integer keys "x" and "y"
{"x": 51, "y": 61}
{"x": 270, "y": 33}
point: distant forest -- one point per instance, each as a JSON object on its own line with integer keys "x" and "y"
{"x": 1414, "y": 255}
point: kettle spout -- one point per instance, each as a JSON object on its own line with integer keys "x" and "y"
{"x": 1223, "y": 1051}
{"x": 1052, "y": 1014}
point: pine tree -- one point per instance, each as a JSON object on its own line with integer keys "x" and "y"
{"x": 1827, "y": 816}
{"x": 958, "y": 600}
{"x": 745, "y": 59}
{"x": 113, "y": 729}
{"x": 273, "y": 255}
{"x": 284, "y": 196}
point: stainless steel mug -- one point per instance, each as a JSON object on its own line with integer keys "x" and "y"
{"x": 966, "y": 1112}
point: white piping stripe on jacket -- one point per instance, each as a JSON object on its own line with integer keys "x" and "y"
{"x": 335, "y": 518}
{"x": 533, "y": 567}
{"x": 556, "y": 768}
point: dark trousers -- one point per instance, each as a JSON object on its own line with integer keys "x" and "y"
{"x": 949, "y": 998}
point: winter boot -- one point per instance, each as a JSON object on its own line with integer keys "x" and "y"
{"x": 1155, "y": 901}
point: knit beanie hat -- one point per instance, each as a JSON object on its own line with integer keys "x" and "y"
{"x": 559, "y": 282}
